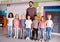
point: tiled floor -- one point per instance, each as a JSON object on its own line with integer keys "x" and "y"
{"x": 3, "y": 38}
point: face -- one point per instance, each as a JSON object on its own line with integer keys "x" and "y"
{"x": 30, "y": 4}
{"x": 16, "y": 16}
{"x": 10, "y": 15}
{"x": 42, "y": 19}
{"x": 35, "y": 17}
{"x": 28, "y": 17}
{"x": 49, "y": 17}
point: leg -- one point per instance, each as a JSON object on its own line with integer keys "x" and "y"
{"x": 17, "y": 33}
{"x": 42, "y": 33}
{"x": 36, "y": 33}
{"x": 14, "y": 32}
{"x": 9, "y": 31}
{"x": 49, "y": 34}
{"x": 33, "y": 34}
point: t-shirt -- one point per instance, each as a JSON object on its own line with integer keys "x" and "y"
{"x": 16, "y": 23}
{"x": 42, "y": 24}
{"x": 10, "y": 21}
{"x": 22, "y": 23}
{"x": 28, "y": 23}
{"x": 35, "y": 23}
{"x": 49, "y": 23}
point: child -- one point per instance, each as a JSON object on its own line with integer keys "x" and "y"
{"x": 16, "y": 23}
{"x": 35, "y": 28}
{"x": 28, "y": 24}
{"x": 10, "y": 20}
{"x": 42, "y": 25}
{"x": 49, "y": 26}
{"x": 22, "y": 25}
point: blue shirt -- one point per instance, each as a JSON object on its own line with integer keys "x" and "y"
{"x": 22, "y": 23}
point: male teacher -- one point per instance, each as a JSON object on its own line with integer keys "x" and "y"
{"x": 31, "y": 11}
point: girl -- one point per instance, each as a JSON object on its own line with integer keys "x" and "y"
{"x": 42, "y": 25}
{"x": 22, "y": 25}
{"x": 10, "y": 20}
{"x": 49, "y": 23}
{"x": 28, "y": 24}
{"x": 16, "y": 23}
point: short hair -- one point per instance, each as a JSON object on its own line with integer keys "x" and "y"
{"x": 11, "y": 14}
{"x": 31, "y": 2}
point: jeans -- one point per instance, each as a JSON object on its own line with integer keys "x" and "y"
{"x": 48, "y": 33}
{"x": 22, "y": 33}
{"x": 41, "y": 33}
{"x": 27, "y": 32}
{"x": 9, "y": 30}
{"x": 16, "y": 31}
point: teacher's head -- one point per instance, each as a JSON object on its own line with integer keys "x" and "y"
{"x": 31, "y": 3}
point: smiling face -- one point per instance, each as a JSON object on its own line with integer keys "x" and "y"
{"x": 17, "y": 16}
{"x": 49, "y": 17}
{"x": 10, "y": 15}
{"x": 28, "y": 17}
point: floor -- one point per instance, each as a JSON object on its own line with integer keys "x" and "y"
{"x": 4, "y": 38}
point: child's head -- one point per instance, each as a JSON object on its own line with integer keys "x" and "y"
{"x": 42, "y": 18}
{"x": 35, "y": 17}
{"x": 28, "y": 17}
{"x": 10, "y": 15}
{"x": 16, "y": 16}
{"x": 49, "y": 16}
{"x": 22, "y": 16}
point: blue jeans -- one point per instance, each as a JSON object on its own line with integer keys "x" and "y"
{"x": 9, "y": 30}
{"x": 41, "y": 33}
{"x": 48, "y": 33}
{"x": 27, "y": 32}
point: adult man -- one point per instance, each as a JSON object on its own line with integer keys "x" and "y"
{"x": 31, "y": 10}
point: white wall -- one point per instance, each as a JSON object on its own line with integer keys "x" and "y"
{"x": 17, "y": 8}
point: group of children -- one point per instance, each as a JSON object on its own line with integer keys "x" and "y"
{"x": 25, "y": 26}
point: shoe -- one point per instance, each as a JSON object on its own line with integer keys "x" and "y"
{"x": 26, "y": 38}
{"x": 14, "y": 36}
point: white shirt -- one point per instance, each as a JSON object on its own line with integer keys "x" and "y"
{"x": 49, "y": 23}
{"x": 28, "y": 23}
{"x": 10, "y": 21}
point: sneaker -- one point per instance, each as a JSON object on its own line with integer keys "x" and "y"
{"x": 28, "y": 38}
{"x": 14, "y": 36}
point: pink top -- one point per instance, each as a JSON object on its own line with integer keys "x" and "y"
{"x": 16, "y": 23}
{"x": 42, "y": 24}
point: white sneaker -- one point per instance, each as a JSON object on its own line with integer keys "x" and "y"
{"x": 28, "y": 38}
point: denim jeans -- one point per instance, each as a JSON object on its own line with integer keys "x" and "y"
{"x": 27, "y": 32}
{"x": 22, "y": 32}
{"x": 9, "y": 30}
{"x": 41, "y": 33}
{"x": 16, "y": 31}
{"x": 48, "y": 33}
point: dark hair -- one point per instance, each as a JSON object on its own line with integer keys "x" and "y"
{"x": 11, "y": 14}
{"x": 31, "y": 2}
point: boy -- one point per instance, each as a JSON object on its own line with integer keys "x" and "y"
{"x": 35, "y": 27}
{"x": 28, "y": 24}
